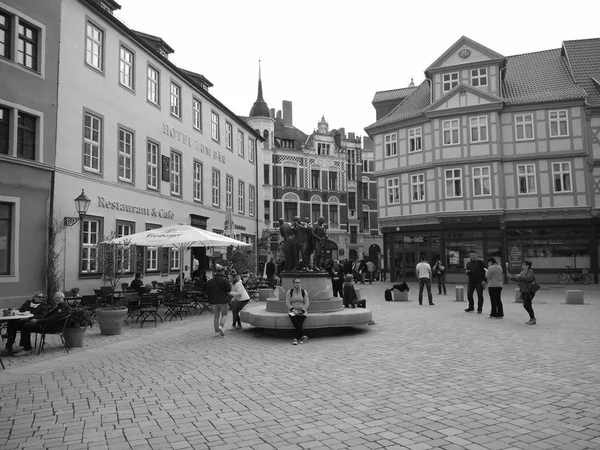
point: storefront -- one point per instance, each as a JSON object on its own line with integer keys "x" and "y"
{"x": 550, "y": 248}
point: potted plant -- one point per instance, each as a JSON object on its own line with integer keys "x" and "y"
{"x": 113, "y": 260}
{"x": 79, "y": 319}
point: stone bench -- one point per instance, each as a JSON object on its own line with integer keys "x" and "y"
{"x": 574, "y": 297}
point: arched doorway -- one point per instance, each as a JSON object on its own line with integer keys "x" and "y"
{"x": 375, "y": 255}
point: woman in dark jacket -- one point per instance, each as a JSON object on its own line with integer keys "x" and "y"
{"x": 524, "y": 279}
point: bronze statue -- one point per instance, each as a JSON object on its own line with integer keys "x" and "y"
{"x": 289, "y": 245}
{"x": 304, "y": 242}
{"x": 319, "y": 235}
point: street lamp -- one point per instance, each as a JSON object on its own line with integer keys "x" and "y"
{"x": 82, "y": 203}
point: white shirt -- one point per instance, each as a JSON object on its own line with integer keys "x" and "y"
{"x": 423, "y": 270}
{"x": 240, "y": 291}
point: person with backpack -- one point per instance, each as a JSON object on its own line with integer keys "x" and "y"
{"x": 218, "y": 289}
{"x": 297, "y": 302}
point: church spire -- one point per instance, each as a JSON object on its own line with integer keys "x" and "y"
{"x": 260, "y": 107}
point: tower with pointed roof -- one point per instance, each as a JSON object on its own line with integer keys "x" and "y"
{"x": 260, "y": 117}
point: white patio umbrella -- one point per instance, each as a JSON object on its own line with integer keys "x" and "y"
{"x": 180, "y": 236}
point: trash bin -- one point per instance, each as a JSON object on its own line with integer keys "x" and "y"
{"x": 518, "y": 298}
{"x": 460, "y": 293}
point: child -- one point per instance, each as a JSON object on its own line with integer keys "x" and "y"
{"x": 349, "y": 293}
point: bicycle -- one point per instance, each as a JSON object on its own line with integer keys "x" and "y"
{"x": 583, "y": 277}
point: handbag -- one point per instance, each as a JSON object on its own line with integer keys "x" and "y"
{"x": 534, "y": 287}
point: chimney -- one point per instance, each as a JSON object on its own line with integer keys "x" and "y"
{"x": 351, "y": 136}
{"x": 279, "y": 114}
{"x": 287, "y": 113}
{"x": 272, "y": 113}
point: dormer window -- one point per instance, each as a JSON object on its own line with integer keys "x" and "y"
{"x": 450, "y": 81}
{"x": 479, "y": 77}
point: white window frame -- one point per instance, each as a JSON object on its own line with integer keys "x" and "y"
{"x": 174, "y": 259}
{"x": 126, "y": 67}
{"x": 391, "y": 145}
{"x": 479, "y": 77}
{"x": 88, "y": 262}
{"x": 152, "y": 159}
{"x": 449, "y": 81}
{"x": 417, "y": 187}
{"x": 524, "y": 126}
{"x": 175, "y": 96}
{"x": 124, "y": 253}
{"x": 555, "y": 119}
{"x": 94, "y": 46}
{"x": 151, "y": 259}
{"x": 175, "y": 173}
{"x": 393, "y": 191}
{"x": 561, "y": 177}
{"x": 415, "y": 139}
{"x": 251, "y": 200}
{"x": 478, "y": 129}
{"x": 241, "y": 197}
{"x": 126, "y": 153}
{"x": 453, "y": 183}
{"x": 92, "y": 148}
{"x": 197, "y": 114}
{"x": 229, "y": 192}
{"x": 153, "y": 91}
{"x": 482, "y": 181}
{"x": 251, "y": 149}
{"x": 197, "y": 184}
{"x": 229, "y": 136}
{"x": 216, "y": 188}
{"x": 451, "y": 128}
{"x": 214, "y": 126}
{"x": 240, "y": 144}
{"x": 526, "y": 173}
{"x": 25, "y": 52}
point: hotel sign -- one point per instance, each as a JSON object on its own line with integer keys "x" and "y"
{"x": 195, "y": 144}
{"x": 135, "y": 209}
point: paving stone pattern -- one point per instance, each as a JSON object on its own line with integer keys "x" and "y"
{"x": 423, "y": 377}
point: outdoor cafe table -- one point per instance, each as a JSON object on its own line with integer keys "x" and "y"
{"x": 18, "y": 316}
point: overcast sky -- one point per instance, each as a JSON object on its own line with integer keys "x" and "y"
{"x": 329, "y": 57}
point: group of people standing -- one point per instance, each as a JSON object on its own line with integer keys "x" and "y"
{"x": 480, "y": 277}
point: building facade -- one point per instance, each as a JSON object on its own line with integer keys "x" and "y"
{"x": 148, "y": 144}
{"x": 29, "y": 40}
{"x": 496, "y": 155}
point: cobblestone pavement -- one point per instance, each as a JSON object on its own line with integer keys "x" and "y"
{"x": 423, "y": 377}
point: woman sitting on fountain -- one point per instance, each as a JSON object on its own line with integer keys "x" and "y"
{"x": 297, "y": 303}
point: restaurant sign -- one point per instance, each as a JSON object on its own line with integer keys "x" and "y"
{"x": 135, "y": 209}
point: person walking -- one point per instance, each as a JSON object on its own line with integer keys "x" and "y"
{"x": 337, "y": 279}
{"x": 494, "y": 282}
{"x": 476, "y": 273}
{"x": 240, "y": 298}
{"x": 370, "y": 271}
{"x": 439, "y": 270}
{"x": 297, "y": 302}
{"x": 218, "y": 289}
{"x": 423, "y": 271}
{"x": 524, "y": 279}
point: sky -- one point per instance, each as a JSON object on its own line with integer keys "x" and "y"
{"x": 330, "y": 57}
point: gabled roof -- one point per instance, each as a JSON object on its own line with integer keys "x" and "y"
{"x": 539, "y": 77}
{"x": 412, "y": 106}
{"x": 393, "y": 94}
{"x": 583, "y": 57}
{"x": 200, "y": 79}
{"x": 460, "y": 88}
{"x": 290, "y": 133}
{"x": 156, "y": 41}
{"x": 457, "y": 45}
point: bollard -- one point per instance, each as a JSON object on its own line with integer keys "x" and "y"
{"x": 460, "y": 293}
{"x": 518, "y": 298}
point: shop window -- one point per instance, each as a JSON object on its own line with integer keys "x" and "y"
{"x": 6, "y": 238}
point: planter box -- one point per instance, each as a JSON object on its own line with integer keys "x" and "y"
{"x": 111, "y": 321}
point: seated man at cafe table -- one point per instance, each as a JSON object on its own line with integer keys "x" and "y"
{"x": 44, "y": 312}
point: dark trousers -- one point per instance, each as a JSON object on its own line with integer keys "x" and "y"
{"x": 527, "y": 302}
{"x": 441, "y": 280}
{"x": 25, "y": 328}
{"x": 496, "y": 301}
{"x": 297, "y": 321}
{"x": 425, "y": 282}
{"x": 337, "y": 289}
{"x": 472, "y": 288}
{"x": 236, "y": 307}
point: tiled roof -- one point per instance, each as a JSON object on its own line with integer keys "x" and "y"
{"x": 393, "y": 94}
{"x": 290, "y": 133}
{"x": 412, "y": 106}
{"x": 539, "y": 77}
{"x": 584, "y": 58}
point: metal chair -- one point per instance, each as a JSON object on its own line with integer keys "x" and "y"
{"x": 54, "y": 328}
{"x": 133, "y": 306}
{"x": 149, "y": 304}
